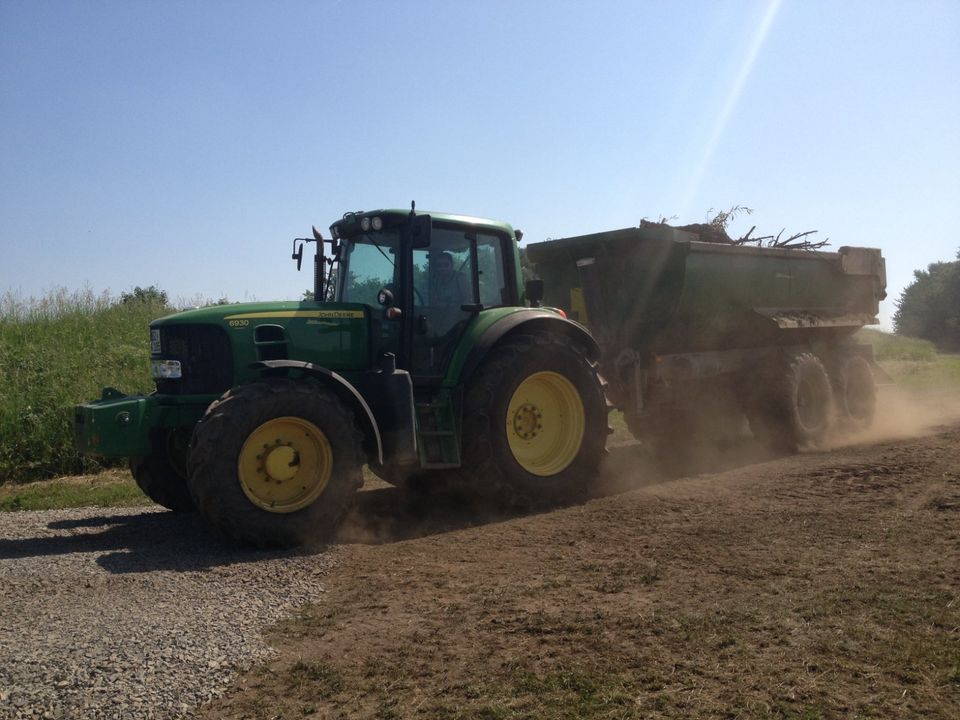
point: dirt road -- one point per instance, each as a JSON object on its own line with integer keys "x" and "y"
{"x": 824, "y": 585}
{"x": 819, "y": 585}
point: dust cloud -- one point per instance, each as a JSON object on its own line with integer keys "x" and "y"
{"x": 901, "y": 414}
{"x": 904, "y": 413}
{"x": 384, "y": 514}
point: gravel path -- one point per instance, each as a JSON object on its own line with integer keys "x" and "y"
{"x": 133, "y": 613}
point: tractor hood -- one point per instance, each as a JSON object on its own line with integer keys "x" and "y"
{"x": 211, "y": 349}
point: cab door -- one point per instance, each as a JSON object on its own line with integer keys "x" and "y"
{"x": 368, "y": 268}
{"x": 458, "y": 274}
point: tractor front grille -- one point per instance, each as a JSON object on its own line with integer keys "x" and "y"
{"x": 205, "y": 359}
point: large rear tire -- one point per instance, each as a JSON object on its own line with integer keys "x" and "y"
{"x": 276, "y": 464}
{"x": 162, "y": 475}
{"x": 535, "y": 422}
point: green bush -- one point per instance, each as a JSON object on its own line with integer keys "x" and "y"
{"x": 898, "y": 347}
{"x": 54, "y": 353}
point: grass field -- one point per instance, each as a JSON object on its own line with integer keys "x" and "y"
{"x": 56, "y": 352}
{"x": 896, "y": 347}
{"x": 913, "y": 363}
{"x": 108, "y": 488}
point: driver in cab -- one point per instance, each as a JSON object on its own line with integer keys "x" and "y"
{"x": 448, "y": 288}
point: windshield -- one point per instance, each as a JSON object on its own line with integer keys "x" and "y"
{"x": 368, "y": 263}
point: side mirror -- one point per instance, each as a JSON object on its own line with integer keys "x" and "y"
{"x": 298, "y": 254}
{"x": 420, "y": 226}
{"x": 533, "y": 289}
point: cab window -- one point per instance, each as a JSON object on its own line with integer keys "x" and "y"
{"x": 493, "y": 290}
{"x": 368, "y": 268}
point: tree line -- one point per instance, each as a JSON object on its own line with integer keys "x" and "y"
{"x": 929, "y": 308}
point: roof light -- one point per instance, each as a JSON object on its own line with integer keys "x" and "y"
{"x": 365, "y": 224}
{"x": 377, "y": 223}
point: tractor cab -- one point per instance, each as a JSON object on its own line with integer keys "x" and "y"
{"x": 424, "y": 277}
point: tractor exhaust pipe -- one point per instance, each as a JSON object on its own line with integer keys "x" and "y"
{"x": 318, "y": 262}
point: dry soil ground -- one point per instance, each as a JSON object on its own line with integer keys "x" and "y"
{"x": 819, "y": 585}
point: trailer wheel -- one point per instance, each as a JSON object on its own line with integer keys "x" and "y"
{"x": 276, "y": 463}
{"x": 162, "y": 475}
{"x": 535, "y": 421}
{"x": 794, "y": 410}
{"x": 856, "y": 393}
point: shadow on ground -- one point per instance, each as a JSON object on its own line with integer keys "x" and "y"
{"x": 138, "y": 541}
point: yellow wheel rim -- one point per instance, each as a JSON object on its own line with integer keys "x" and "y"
{"x": 285, "y": 464}
{"x": 545, "y": 423}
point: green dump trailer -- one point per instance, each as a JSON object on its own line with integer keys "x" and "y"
{"x": 694, "y": 333}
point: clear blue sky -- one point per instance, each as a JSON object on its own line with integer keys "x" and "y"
{"x": 184, "y": 144}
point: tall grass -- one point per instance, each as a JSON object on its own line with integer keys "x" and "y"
{"x": 912, "y": 362}
{"x": 57, "y": 351}
{"x": 898, "y": 347}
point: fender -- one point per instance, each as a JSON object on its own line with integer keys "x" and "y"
{"x": 526, "y": 319}
{"x": 341, "y": 386}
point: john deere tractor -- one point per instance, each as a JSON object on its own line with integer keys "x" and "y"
{"x": 419, "y": 355}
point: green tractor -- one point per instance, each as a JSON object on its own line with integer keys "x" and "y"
{"x": 418, "y": 356}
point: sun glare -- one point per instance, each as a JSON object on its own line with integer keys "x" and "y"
{"x": 733, "y": 99}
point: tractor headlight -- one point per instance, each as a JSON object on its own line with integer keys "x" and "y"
{"x": 165, "y": 369}
{"x": 365, "y": 224}
{"x": 377, "y": 223}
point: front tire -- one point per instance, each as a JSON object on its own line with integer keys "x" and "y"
{"x": 535, "y": 422}
{"x": 162, "y": 475}
{"x": 276, "y": 463}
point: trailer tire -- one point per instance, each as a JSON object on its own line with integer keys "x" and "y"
{"x": 161, "y": 477}
{"x": 276, "y": 463}
{"x": 793, "y": 410}
{"x": 535, "y": 422}
{"x": 856, "y": 393}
